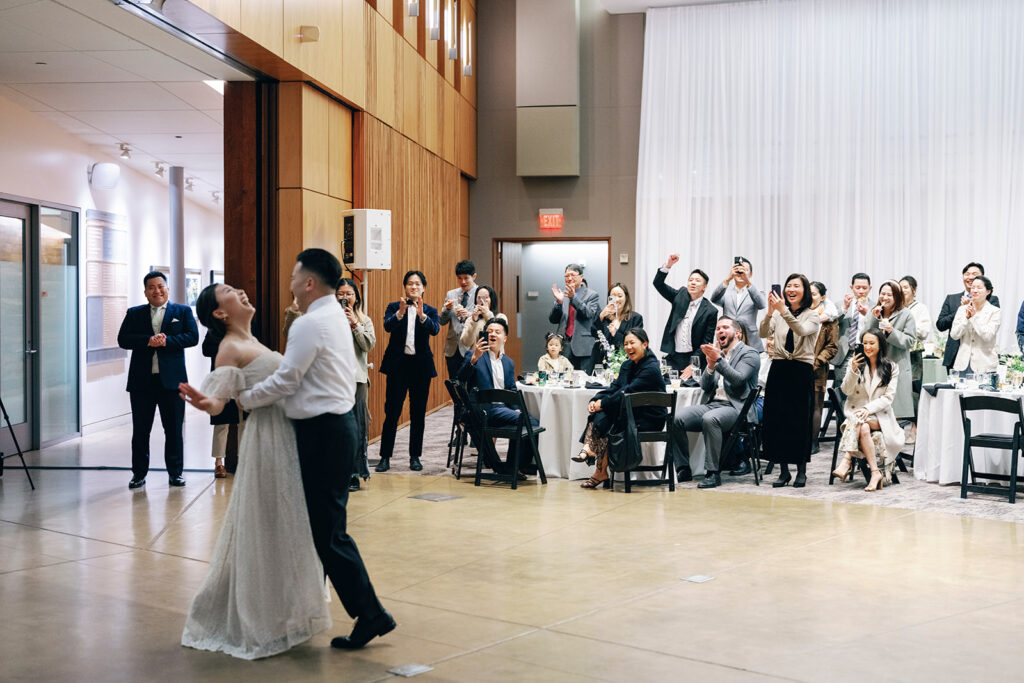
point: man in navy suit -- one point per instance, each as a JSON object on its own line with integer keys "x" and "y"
{"x": 157, "y": 334}
{"x": 487, "y": 367}
{"x": 409, "y": 365}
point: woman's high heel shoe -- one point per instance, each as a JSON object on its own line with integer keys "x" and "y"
{"x": 593, "y": 483}
{"x": 781, "y": 481}
{"x": 584, "y": 456}
{"x": 876, "y": 480}
{"x": 842, "y": 472}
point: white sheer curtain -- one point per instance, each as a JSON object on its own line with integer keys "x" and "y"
{"x": 834, "y": 136}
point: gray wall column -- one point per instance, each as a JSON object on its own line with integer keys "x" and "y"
{"x": 176, "y": 188}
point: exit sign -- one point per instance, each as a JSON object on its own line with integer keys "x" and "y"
{"x": 551, "y": 219}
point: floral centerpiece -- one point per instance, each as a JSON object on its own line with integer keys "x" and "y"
{"x": 613, "y": 357}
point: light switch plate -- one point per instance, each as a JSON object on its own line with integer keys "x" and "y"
{"x": 623, "y": 258}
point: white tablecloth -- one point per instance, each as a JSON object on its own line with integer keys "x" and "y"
{"x": 939, "y": 455}
{"x": 563, "y": 414}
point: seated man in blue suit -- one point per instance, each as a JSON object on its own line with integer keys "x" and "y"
{"x": 487, "y": 367}
{"x": 157, "y": 334}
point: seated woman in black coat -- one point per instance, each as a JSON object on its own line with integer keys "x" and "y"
{"x": 641, "y": 372}
{"x": 614, "y": 323}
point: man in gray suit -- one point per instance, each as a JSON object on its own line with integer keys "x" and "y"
{"x": 458, "y": 304}
{"x": 741, "y": 300}
{"x": 730, "y": 376}
{"x": 856, "y": 306}
{"x": 575, "y": 311}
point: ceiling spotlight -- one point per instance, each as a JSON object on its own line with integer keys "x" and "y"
{"x": 216, "y": 196}
{"x": 160, "y": 168}
{"x": 126, "y": 150}
{"x": 190, "y": 184}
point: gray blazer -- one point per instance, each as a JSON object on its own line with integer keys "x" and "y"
{"x": 743, "y": 311}
{"x": 739, "y": 377}
{"x": 587, "y": 303}
{"x": 845, "y": 320}
{"x": 452, "y": 345}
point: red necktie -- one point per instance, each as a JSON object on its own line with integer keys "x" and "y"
{"x": 572, "y": 322}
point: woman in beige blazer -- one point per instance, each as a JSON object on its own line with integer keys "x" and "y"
{"x": 484, "y": 308}
{"x": 976, "y": 325}
{"x": 870, "y": 387}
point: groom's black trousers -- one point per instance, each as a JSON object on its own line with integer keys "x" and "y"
{"x": 326, "y": 447}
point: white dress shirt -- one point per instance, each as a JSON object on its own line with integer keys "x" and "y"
{"x": 497, "y": 371}
{"x": 157, "y": 316}
{"x": 684, "y": 344}
{"x": 720, "y": 394}
{"x": 318, "y": 372}
{"x": 410, "y": 332}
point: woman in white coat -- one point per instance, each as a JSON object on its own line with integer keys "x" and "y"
{"x": 870, "y": 387}
{"x": 976, "y": 325}
{"x": 899, "y": 328}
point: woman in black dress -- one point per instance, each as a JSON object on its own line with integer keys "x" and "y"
{"x": 641, "y": 372}
{"x": 614, "y": 321}
{"x": 790, "y": 330}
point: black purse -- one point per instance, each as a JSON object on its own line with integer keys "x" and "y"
{"x": 624, "y": 447}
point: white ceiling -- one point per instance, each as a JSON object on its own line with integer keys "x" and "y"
{"x": 632, "y": 6}
{"x": 73, "y": 63}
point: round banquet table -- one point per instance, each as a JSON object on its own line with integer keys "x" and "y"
{"x": 563, "y": 414}
{"x": 939, "y": 454}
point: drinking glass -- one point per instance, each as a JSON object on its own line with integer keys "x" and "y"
{"x": 695, "y": 364}
{"x": 542, "y": 378}
{"x": 598, "y": 371}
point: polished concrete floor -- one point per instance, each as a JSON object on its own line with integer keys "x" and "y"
{"x": 547, "y": 583}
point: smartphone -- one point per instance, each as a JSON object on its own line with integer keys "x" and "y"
{"x": 483, "y": 336}
{"x": 737, "y": 260}
{"x": 344, "y": 303}
{"x": 778, "y": 290}
{"x": 857, "y": 348}
{"x": 410, "y": 302}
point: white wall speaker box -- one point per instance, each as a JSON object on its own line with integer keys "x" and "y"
{"x": 104, "y": 176}
{"x": 366, "y": 239}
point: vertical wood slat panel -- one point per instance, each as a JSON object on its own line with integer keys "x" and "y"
{"x": 422, "y": 192}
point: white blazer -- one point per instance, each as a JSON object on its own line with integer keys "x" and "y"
{"x": 864, "y": 391}
{"x": 977, "y": 336}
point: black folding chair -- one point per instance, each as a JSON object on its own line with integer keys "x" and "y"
{"x": 472, "y": 425}
{"x": 903, "y": 458}
{"x": 830, "y": 414}
{"x": 645, "y": 399}
{"x": 521, "y": 435}
{"x": 1007, "y": 442}
{"x": 751, "y": 431}
{"x": 455, "y": 439}
{"x": 861, "y": 462}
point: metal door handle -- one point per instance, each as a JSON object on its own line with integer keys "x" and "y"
{"x": 30, "y": 351}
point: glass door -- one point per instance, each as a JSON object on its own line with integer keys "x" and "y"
{"x": 16, "y": 350}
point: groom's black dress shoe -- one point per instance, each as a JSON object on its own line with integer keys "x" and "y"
{"x": 364, "y": 631}
{"x": 176, "y": 481}
{"x": 383, "y": 466}
{"x": 137, "y": 483}
{"x": 414, "y": 464}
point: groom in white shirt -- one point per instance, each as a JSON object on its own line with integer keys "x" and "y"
{"x": 315, "y": 384}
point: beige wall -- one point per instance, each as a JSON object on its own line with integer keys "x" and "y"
{"x": 41, "y": 161}
{"x": 602, "y": 200}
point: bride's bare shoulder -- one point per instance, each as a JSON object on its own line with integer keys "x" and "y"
{"x": 238, "y": 353}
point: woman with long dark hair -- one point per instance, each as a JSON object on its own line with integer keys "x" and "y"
{"x": 891, "y": 317}
{"x": 614, "y": 322}
{"x": 870, "y": 386}
{"x": 485, "y": 307}
{"x": 790, "y": 330}
{"x": 364, "y": 340}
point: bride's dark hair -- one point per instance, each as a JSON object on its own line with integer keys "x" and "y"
{"x": 206, "y": 304}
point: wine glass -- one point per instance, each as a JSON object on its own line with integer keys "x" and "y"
{"x": 695, "y": 365}
{"x": 598, "y": 371}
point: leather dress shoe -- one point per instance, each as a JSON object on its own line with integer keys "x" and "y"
{"x": 364, "y": 631}
{"x": 414, "y": 464}
{"x": 353, "y": 484}
{"x": 219, "y": 472}
{"x": 383, "y": 466}
{"x": 176, "y": 481}
{"x": 137, "y": 483}
{"x": 711, "y": 480}
{"x": 684, "y": 475}
{"x": 744, "y": 468}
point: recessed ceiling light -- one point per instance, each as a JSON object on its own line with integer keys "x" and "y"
{"x": 216, "y": 85}
{"x": 178, "y": 137}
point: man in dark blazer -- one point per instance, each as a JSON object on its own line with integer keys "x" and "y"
{"x": 157, "y": 334}
{"x": 480, "y": 369}
{"x": 409, "y": 365}
{"x": 950, "y": 306}
{"x": 691, "y": 324}
{"x": 731, "y": 376}
{"x": 575, "y": 311}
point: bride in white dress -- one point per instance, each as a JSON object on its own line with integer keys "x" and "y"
{"x": 265, "y": 590}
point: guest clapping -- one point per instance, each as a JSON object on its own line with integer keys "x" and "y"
{"x": 856, "y": 305}
{"x": 976, "y": 326}
{"x": 691, "y": 323}
{"x": 825, "y": 348}
{"x": 870, "y": 386}
{"x": 640, "y": 372}
{"x": 614, "y": 322}
{"x": 897, "y": 325}
{"x": 741, "y": 300}
{"x": 409, "y": 365}
{"x": 485, "y": 307}
{"x": 553, "y": 361}
{"x": 364, "y": 340}
{"x": 791, "y": 329}
{"x": 923, "y": 326}
{"x": 575, "y": 310}
{"x": 950, "y": 307}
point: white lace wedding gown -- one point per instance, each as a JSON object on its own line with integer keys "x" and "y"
{"x": 265, "y": 590}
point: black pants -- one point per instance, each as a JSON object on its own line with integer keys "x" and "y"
{"x": 326, "y": 446}
{"x": 408, "y": 380}
{"x": 172, "y": 415}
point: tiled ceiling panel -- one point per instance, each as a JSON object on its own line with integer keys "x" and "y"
{"x": 127, "y": 123}
{"x": 103, "y": 96}
{"x": 59, "y": 67}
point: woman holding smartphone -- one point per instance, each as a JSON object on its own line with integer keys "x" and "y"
{"x": 614, "y": 322}
{"x": 790, "y": 330}
{"x": 364, "y": 340}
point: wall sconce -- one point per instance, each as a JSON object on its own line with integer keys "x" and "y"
{"x": 434, "y": 19}
{"x": 451, "y": 26}
{"x": 414, "y": 8}
{"x": 215, "y": 194}
{"x": 467, "y": 50}
{"x": 190, "y": 184}
{"x": 308, "y": 34}
{"x": 126, "y": 150}
{"x": 160, "y": 168}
